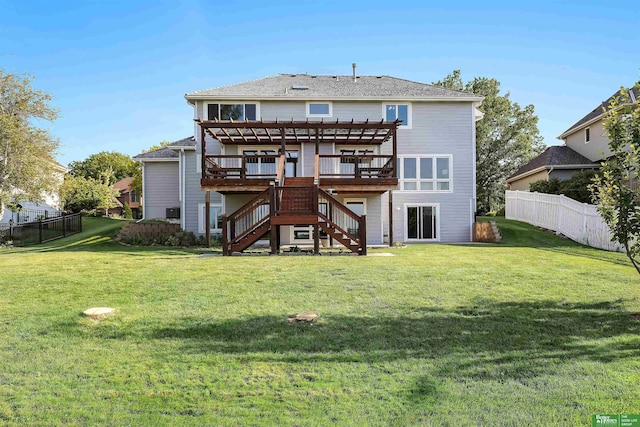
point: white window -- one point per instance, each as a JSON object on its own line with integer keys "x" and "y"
{"x": 301, "y": 233}
{"x": 215, "y": 217}
{"x": 232, "y": 111}
{"x": 393, "y": 112}
{"x": 257, "y": 165}
{"x": 422, "y": 222}
{"x": 319, "y": 109}
{"x": 425, "y": 173}
{"x": 587, "y": 135}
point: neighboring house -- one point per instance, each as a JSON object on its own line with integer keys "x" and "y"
{"x": 556, "y": 161}
{"x": 127, "y": 195}
{"x": 585, "y": 146}
{"x": 26, "y": 211}
{"x": 296, "y": 157}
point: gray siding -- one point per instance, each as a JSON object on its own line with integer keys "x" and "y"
{"x": 598, "y": 146}
{"x": 437, "y": 128}
{"x": 193, "y": 194}
{"x": 441, "y": 128}
{"x": 161, "y": 188}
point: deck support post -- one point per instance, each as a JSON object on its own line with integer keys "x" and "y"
{"x": 273, "y": 236}
{"x": 225, "y": 236}
{"x": 390, "y": 218}
{"x": 316, "y": 239}
{"x": 207, "y": 218}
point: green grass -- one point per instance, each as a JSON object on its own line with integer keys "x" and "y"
{"x": 536, "y": 330}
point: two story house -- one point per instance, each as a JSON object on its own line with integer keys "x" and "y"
{"x": 586, "y": 145}
{"x": 359, "y": 160}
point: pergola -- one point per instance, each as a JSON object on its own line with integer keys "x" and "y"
{"x": 261, "y": 132}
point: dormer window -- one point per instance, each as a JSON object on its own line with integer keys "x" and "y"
{"x": 232, "y": 111}
{"x": 587, "y": 135}
{"x": 319, "y": 109}
{"x": 393, "y": 112}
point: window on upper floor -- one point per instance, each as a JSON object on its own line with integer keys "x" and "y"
{"x": 587, "y": 135}
{"x": 393, "y": 112}
{"x": 319, "y": 109}
{"x": 232, "y": 111}
{"x": 134, "y": 197}
{"x": 425, "y": 173}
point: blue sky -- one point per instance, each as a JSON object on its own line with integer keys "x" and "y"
{"x": 118, "y": 71}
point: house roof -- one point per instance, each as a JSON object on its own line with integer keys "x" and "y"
{"x": 124, "y": 185}
{"x": 169, "y": 152}
{"x": 634, "y": 93}
{"x": 307, "y": 86}
{"x": 554, "y": 156}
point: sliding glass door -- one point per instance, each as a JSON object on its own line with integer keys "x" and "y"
{"x": 422, "y": 222}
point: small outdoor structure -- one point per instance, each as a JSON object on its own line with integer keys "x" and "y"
{"x": 297, "y": 201}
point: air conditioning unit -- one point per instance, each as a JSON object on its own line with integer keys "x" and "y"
{"x": 173, "y": 213}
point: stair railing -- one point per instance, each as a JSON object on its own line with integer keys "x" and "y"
{"x": 342, "y": 219}
{"x": 246, "y": 219}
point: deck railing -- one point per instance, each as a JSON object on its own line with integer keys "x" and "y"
{"x": 33, "y": 233}
{"x": 243, "y": 166}
{"x": 355, "y": 166}
{"x": 272, "y": 166}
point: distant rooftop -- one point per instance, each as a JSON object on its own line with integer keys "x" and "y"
{"x": 167, "y": 152}
{"x": 308, "y": 86}
{"x": 555, "y": 155}
{"x": 634, "y": 94}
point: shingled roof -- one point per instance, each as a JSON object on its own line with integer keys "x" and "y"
{"x": 307, "y": 86}
{"x": 556, "y": 155}
{"x": 634, "y": 94}
{"x": 169, "y": 152}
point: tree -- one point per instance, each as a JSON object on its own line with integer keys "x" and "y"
{"x": 126, "y": 211}
{"x": 87, "y": 194}
{"x": 27, "y": 152}
{"x": 506, "y": 138}
{"x": 107, "y": 167}
{"x": 615, "y": 187}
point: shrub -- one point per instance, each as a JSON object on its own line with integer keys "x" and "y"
{"x": 126, "y": 211}
{"x": 500, "y": 212}
{"x": 577, "y": 186}
{"x": 543, "y": 186}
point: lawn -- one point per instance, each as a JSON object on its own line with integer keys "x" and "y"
{"x": 536, "y": 330}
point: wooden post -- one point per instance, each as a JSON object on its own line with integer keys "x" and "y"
{"x": 207, "y": 218}
{"x": 273, "y": 237}
{"x": 316, "y": 239}
{"x": 395, "y": 151}
{"x": 40, "y": 231}
{"x": 362, "y": 232}
{"x": 203, "y": 151}
{"x": 391, "y": 218}
{"x": 64, "y": 226}
{"x": 225, "y": 237}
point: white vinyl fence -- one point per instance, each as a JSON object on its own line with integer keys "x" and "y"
{"x": 578, "y": 221}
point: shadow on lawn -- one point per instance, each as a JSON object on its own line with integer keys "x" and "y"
{"x": 488, "y": 340}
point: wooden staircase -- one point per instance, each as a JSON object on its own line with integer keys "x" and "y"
{"x": 297, "y": 202}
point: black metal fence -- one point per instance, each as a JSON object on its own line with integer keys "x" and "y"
{"x": 33, "y": 233}
{"x": 33, "y": 215}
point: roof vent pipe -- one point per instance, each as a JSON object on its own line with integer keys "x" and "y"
{"x": 354, "y": 72}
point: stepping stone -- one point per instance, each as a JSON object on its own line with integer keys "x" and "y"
{"x": 98, "y": 313}
{"x": 305, "y": 316}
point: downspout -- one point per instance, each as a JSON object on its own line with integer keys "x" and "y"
{"x": 183, "y": 193}
{"x": 143, "y": 197}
